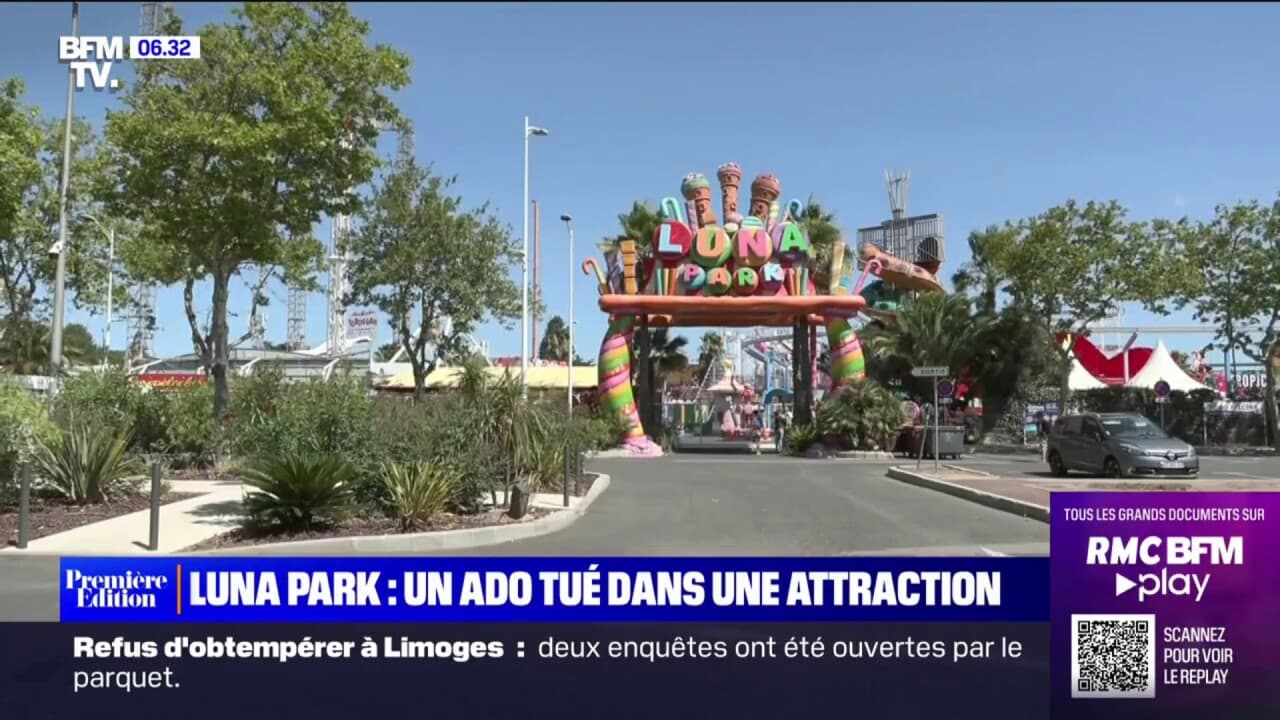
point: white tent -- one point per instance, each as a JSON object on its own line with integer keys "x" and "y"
{"x": 1081, "y": 379}
{"x": 1162, "y": 366}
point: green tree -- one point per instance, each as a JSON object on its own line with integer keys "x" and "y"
{"x": 31, "y": 157}
{"x": 231, "y": 161}
{"x": 24, "y": 346}
{"x": 436, "y": 271}
{"x": 1074, "y": 263}
{"x": 1015, "y": 351}
{"x": 1235, "y": 259}
{"x": 555, "y": 340}
{"x": 979, "y": 278}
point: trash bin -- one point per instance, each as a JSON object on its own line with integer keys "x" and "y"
{"x": 950, "y": 442}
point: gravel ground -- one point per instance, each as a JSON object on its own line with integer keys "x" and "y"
{"x": 49, "y": 517}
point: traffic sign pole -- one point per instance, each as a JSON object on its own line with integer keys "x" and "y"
{"x": 935, "y": 426}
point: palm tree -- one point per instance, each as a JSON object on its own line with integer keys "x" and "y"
{"x": 820, "y": 228}
{"x": 936, "y": 329}
{"x": 639, "y": 224}
{"x": 667, "y": 352}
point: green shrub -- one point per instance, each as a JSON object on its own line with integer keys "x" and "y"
{"x": 293, "y": 491}
{"x": 24, "y": 424}
{"x": 192, "y": 428}
{"x": 861, "y": 415}
{"x": 113, "y": 399}
{"x": 800, "y": 438}
{"x": 271, "y": 418}
{"x": 419, "y": 491}
{"x": 87, "y": 464}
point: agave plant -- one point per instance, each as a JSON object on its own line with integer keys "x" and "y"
{"x": 294, "y": 491}
{"x": 800, "y": 438}
{"x": 419, "y": 491}
{"x": 86, "y": 463}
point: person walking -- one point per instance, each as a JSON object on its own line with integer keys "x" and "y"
{"x": 781, "y": 418}
{"x": 1042, "y": 433}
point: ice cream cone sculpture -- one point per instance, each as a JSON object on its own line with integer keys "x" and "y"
{"x": 730, "y": 177}
{"x": 765, "y": 190}
{"x": 697, "y": 189}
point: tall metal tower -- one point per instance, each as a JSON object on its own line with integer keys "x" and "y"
{"x": 340, "y": 256}
{"x": 141, "y": 321}
{"x": 297, "y": 314}
{"x": 918, "y": 239}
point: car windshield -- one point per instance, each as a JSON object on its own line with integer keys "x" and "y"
{"x": 1132, "y": 428}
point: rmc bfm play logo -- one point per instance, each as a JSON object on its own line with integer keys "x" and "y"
{"x": 1177, "y": 550}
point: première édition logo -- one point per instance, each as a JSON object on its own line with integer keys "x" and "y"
{"x": 115, "y": 590}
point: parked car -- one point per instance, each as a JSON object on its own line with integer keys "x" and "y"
{"x": 1117, "y": 445}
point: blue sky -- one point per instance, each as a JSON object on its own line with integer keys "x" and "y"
{"x": 999, "y": 111}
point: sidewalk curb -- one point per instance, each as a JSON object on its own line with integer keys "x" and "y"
{"x": 421, "y": 542}
{"x": 991, "y": 500}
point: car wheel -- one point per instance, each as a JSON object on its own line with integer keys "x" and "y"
{"x": 1056, "y": 466}
{"x": 1111, "y": 469}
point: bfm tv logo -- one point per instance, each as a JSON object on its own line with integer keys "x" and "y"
{"x": 1177, "y": 550}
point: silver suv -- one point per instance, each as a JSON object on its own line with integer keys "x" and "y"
{"x": 1117, "y": 445}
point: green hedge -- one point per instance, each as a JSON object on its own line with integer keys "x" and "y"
{"x": 1184, "y": 415}
{"x": 24, "y": 422}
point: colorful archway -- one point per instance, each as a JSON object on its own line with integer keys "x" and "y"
{"x": 752, "y": 270}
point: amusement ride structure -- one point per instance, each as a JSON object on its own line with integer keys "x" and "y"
{"x": 751, "y": 270}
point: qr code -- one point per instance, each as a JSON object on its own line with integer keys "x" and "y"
{"x": 1113, "y": 656}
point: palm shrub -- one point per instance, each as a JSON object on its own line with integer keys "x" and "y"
{"x": 800, "y": 438}
{"x": 86, "y": 463}
{"x": 419, "y": 491}
{"x": 860, "y": 414}
{"x": 294, "y": 491}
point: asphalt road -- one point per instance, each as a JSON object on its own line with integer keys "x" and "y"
{"x": 712, "y": 505}
{"x": 769, "y": 505}
{"x": 1211, "y": 466}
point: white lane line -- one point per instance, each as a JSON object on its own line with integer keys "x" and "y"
{"x": 991, "y": 553}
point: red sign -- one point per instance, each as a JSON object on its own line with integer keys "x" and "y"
{"x": 165, "y": 381}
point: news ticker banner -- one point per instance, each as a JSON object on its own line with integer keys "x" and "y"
{"x": 1164, "y": 604}
{"x": 554, "y": 589}
{"x": 548, "y": 670}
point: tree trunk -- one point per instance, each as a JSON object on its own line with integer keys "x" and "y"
{"x": 420, "y": 372}
{"x": 1269, "y": 399}
{"x": 221, "y": 352}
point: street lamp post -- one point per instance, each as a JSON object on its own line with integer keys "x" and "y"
{"x": 529, "y": 131}
{"x": 60, "y": 249}
{"x": 568, "y": 223}
{"x": 111, "y": 276}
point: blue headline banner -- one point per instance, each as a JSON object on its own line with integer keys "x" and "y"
{"x": 554, "y": 589}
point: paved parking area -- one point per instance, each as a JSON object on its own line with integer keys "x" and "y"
{"x": 1212, "y": 467}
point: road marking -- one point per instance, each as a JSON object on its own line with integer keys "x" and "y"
{"x": 991, "y": 553}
